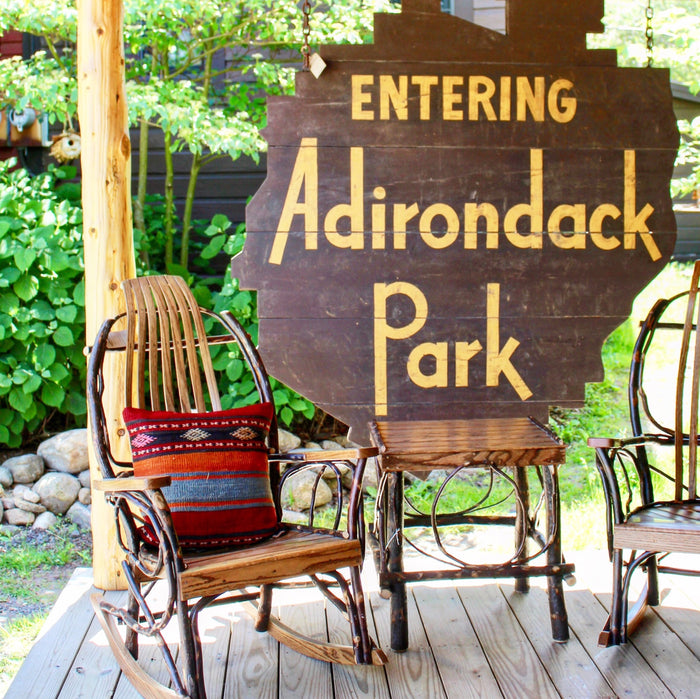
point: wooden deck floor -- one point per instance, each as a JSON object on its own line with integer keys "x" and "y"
{"x": 471, "y": 640}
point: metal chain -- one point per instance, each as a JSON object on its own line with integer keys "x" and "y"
{"x": 306, "y": 31}
{"x": 650, "y": 35}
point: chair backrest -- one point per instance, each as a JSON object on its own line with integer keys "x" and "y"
{"x": 676, "y": 421}
{"x": 168, "y": 354}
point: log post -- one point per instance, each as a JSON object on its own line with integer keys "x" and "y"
{"x": 107, "y": 226}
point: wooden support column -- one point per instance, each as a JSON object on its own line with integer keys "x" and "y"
{"x": 107, "y": 226}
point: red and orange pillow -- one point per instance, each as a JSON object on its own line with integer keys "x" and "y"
{"x": 220, "y": 487}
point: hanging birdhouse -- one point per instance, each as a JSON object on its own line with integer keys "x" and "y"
{"x": 66, "y": 147}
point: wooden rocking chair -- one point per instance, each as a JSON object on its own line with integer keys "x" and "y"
{"x": 173, "y": 535}
{"x": 648, "y": 525}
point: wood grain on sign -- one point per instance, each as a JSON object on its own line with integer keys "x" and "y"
{"x": 451, "y": 229}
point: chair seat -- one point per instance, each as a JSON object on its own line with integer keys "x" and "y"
{"x": 289, "y": 555}
{"x": 666, "y": 526}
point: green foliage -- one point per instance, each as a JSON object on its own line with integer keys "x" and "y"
{"x": 172, "y": 81}
{"x": 689, "y": 156}
{"x": 42, "y": 317}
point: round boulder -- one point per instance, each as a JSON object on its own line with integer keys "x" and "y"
{"x": 6, "y": 479}
{"x": 79, "y": 514}
{"x": 19, "y": 518}
{"x": 45, "y": 520}
{"x": 25, "y": 468}
{"x": 299, "y": 488}
{"x": 58, "y": 491}
{"x": 66, "y": 452}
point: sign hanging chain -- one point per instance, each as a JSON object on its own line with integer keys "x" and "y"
{"x": 650, "y": 35}
{"x": 306, "y": 31}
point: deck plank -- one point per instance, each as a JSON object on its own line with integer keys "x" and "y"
{"x": 676, "y": 666}
{"x": 412, "y": 674}
{"x": 513, "y": 659}
{"x": 623, "y": 667}
{"x": 301, "y": 677}
{"x": 461, "y": 662}
{"x": 252, "y": 661}
{"x": 48, "y": 662}
{"x": 572, "y": 670}
{"x": 94, "y": 672}
{"x": 354, "y": 681}
{"x": 465, "y": 639}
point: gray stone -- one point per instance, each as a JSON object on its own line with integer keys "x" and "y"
{"x": 25, "y": 468}
{"x": 295, "y": 517}
{"x": 6, "y": 479}
{"x": 20, "y": 518}
{"x": 369, "y": 478}
{"x": 79, "y": 514}
{"x": 8, "y": 503}
{"x": 58, "y": 491}
{"x": 288, "y": 441}
{"x": 2, "y": 512}
{"x": 330, "y": 445}
{"x": 85, "y": 496}
{"x": 312, "y": 446}
{"x": 45, "y": 520}
{"x": 26, "y": 493}
{"x": 66, "y": 452}
{"x": 9, "y": 529}
{"x": 297, "y": 491}
{"x": 33, "y": 507}
{"x": 84, "y": 478}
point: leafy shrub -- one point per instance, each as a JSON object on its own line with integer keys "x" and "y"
{"x": 42, "y": 314}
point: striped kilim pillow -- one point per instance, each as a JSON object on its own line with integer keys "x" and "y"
{"x": 220, "y": 487}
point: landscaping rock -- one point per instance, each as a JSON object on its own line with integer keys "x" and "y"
{"x": 19, "y": 518}
{"x": 6, "y": 479}
{"x": 25, "y": 493}
{"x": 85, "y": 496}
{"x": 84, "y": 478}
{"x": 288, "y": 441}
{"x": 330, "y": 445}
{"x": 2, "y": 512}
{"x": 66, "y": 452}
{"x": 33, "y": 507}
{"x": 8, "y": 503}
{"x": 79, "y": 514}
{"x": 25, "y": 468}
{"x": 45, "y": 520}
{"x": 58, "y": 491}
{"x": 297, "y": 491}
{"x": 9, "y": 529}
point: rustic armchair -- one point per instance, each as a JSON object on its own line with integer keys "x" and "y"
{"x": 650, "y": 479}
{"x": 198, "y": 504}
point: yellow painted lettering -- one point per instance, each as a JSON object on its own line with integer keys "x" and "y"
{"x": 393, "y": 96}
{"x": 383, "y": 332}
{"x": 360, "y": 97}
{"x": 534, "y": 209}
{"x": 304, "y": 175}
{"x": 437, "y": 350}
{"x": 450, "y": 98}
{"x": 481, "y": 90}
{"x": 425, "y": 83}
{"x": 529, "y": 98}
{"x": 595, "y": 226}
{"x": 439, "y": 241}
{"x": 354, "y": 211}
{"x": 561, "y": 110}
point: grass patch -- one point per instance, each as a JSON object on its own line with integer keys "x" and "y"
{"x": 16, "y": 639}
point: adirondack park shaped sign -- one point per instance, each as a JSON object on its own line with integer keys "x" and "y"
{"x": 454, "y": 219}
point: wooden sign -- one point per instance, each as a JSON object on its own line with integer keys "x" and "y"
{"x": 454, "y": 220}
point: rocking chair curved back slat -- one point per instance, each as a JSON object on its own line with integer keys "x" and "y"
{"x": 166, "y": 329}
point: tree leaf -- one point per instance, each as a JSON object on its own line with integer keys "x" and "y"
{"x": 63, "y": 337}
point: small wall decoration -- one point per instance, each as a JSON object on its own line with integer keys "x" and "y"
{"x": 454, "y": 219}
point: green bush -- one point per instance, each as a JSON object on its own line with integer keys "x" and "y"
{"x": 42, "y": 305}
{"x": 42, "y": 314}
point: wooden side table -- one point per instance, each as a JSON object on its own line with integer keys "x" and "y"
{"x": 512, "y": 450}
